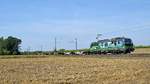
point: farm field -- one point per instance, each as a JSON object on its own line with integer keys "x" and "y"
{"x": 142, "y": 50}
{"x": 120, "y": 69}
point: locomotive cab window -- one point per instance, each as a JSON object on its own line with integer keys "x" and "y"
{"x": 115, "y": 43}
{"x": 118, "y": 42}
{"x": 128, "y": 41}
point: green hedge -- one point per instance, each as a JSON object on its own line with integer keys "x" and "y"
{"x": 141, "y": 46}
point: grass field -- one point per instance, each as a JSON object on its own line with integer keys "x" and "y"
{"x": 142, "y": 50}
{"x": 128, "y": 69}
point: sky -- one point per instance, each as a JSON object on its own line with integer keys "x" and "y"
{"x": 38, "y": 22}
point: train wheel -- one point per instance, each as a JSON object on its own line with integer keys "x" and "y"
{"x": 126, "y": 52}
{"x": 113, "y": 52}
{"x": 99, "y": 53}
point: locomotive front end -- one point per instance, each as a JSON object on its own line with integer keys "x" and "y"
{"x": 128, "y": 45}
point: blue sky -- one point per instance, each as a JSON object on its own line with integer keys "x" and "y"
{"x": 38, "y": 22}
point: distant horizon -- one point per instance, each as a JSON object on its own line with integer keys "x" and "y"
{"x": 67, "y": 49}
{"x": 38, "y": 22}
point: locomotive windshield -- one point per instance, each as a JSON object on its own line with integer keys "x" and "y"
{"x": 128, "y": 41}
{"x": 94, "y": 44}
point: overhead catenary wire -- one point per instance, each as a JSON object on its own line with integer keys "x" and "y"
{"x": 128, "y": 29}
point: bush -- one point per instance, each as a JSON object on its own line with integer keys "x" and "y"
{"x": 141, "y": 46}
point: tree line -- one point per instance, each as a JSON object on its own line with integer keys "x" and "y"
{"x": 9, "y": 45}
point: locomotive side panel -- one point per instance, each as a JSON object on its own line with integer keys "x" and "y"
{"x": 115, "y": 45}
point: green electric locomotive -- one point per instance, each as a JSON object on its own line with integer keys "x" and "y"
{"x": 116, "y": 45}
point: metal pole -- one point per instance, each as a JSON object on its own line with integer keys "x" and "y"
{"x": 50, "y": 48}
{"x": 28, "y": 50}
{"x": 76, "y": 43}
{"x": 41, "y": 48}
{"x": 55, "y": 44}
